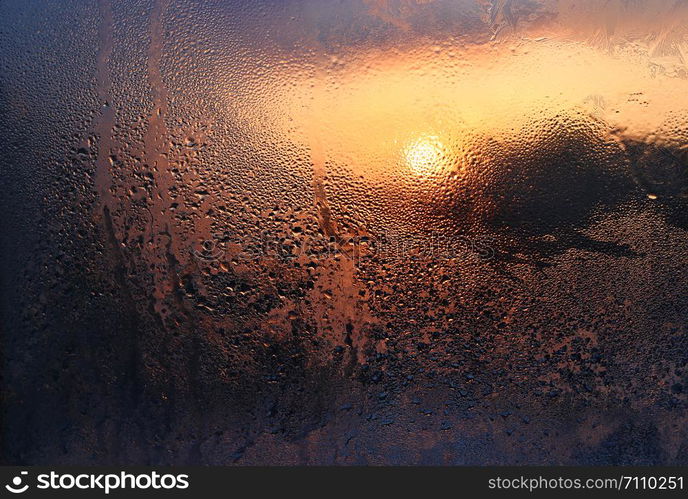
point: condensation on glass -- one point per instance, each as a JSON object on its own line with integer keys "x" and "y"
{"x": 349, "y": 232}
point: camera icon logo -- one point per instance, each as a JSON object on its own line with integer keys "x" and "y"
{"x": 16, "y": 486}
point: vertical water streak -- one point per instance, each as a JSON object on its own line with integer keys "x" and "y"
{"x": 104, "y": 124}
{"x": 318, "y": 160}
{"x": 156, "y": 146}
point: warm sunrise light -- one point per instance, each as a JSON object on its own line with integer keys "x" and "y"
{"x": 383, "y": 112}
{"x": 425, "y": 155}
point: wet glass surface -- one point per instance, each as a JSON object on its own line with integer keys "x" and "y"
{"x": 358, "y": 232}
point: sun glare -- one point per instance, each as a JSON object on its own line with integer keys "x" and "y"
{"x": 425, "y": 155}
